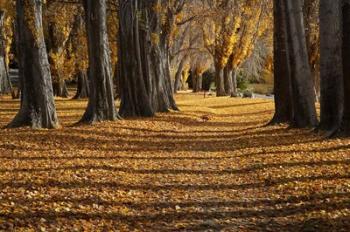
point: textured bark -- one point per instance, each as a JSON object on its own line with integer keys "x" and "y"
{"x": 37, "y": 101}
{"x": 144, "y": 61}
{"x": 135, "y": 77}
{"x": 331, "y": 69}
{"x": 230, "y": 85}
{"x": 5, "y": 85}
{"x": 60, "y": 88}
{"x": 304, "y": 110}
{"x": 82, "y": 86}
{"x": 178, "y": 75}
{"x": 101, "y": 105}
{"x": 220, "y": 81}
{"x": 282, "y": 75}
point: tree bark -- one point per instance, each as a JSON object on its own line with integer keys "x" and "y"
{"x": 82, "y": 86}
{"x": 282, "y": 75}
{"x": 304, "y": 110}
{"x": 235, "y": 83}
{"x": 37, "y": 101}
{"x": 60, "y": 88}
{"x": 101, "y": 105}
{"x": 331, "y": 69}
{"x": 230, "y": 82}
{"x": 5, "y": 84}
{"x": 220, "y": 81}
{"x": 144, "y": 61}
{"x": 178, "y": 75}
{"x": 197, "y": 82}
{"x": 135, "y": 67}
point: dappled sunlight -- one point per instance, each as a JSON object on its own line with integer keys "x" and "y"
{"x": 173, "y": 171}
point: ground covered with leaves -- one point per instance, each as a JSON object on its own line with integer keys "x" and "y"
{"x": 213, "y": 166}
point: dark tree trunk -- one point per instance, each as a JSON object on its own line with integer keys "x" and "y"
{"x": 220, "y": 81}
{"x": 37, "y": 101}
{"x": 282, "y": 77}
{"x": 230, "y": 85}
{"x": 178, "y": 75}
{"x": 346, "y": 72}
{"x": 163, "y": 98}
{"x": 135, "y": 67}
{"x": 60, "y": 88}
{"x": 332, "y": 93}
{"x": 101, "y": 105}
{"x": 82, "y": 86}
{"x": 5, "y": 84}
{"x": 144, "y": 61}
{"x": 197, "y": 82}
{"x": 304, "y": 113}
{"x": 235, "y": 83}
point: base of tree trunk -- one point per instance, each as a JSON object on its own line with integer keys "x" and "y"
{"x": 32, "y": 119}
{"x": 16, "y": 94}
{"x": 82, "y": 86}
{"x": 221, "y": 94}
{"x": 60, "y": 89}
{"x": 277, "y": 120}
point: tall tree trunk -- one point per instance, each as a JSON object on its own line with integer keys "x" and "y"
{"x": 219, "y": 81}
{"x": 144, "y": 61}
{"x": 346, "y": 61}
{"x": 60, "y": 88}
{"x": 37, "y": 101}
{"x": 82, "y": 86}
{"x": 197, "y": 82}
{"x": 234, "y": 83}
{"x": 5, "y": 85}
{"x": 282, "y": 76}
{"x": 178, "y": 75}
{"x": 135, "y": 67}
{"x": 304, "y": 113}
{"x": 230, "y": 88}
{"x": 101, "y": 105}
{"x": 331, "y": 69}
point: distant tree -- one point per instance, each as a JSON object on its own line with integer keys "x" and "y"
{"x": 79, "y": 49}
{"x": 5, "y": 85}
{"x": 58, "y": 28}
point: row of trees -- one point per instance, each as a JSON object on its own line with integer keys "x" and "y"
{"x": 192, "y": 44}
{"x": 294, "y": 88}
{"x": 224, "y": 35}
{"x": 144, "y": 42}
{"x": 149, "y": 38}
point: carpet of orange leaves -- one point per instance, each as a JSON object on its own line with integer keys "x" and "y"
{"x": 212, "y": 166}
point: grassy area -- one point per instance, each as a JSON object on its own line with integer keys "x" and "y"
{"x": 263, "y": 89}
{"x": 176, "y": 171}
